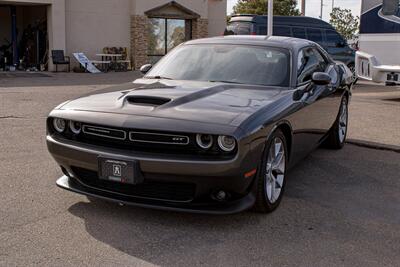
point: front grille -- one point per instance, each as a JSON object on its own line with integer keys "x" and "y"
{"x": 149, "y": 141}
{"x": 177, "y": 144}
{"x": 177, "y": 192}
{"x": 104, "y": 132}
{"x": 157, "y": 138}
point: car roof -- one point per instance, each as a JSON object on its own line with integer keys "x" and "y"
{"x": 290, "y": 43}
{"x": 286, "y": 20}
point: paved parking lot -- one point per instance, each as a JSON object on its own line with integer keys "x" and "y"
{"x": 341, "y": 208}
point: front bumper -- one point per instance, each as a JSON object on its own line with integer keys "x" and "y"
{"x": 207, "y": 177}
{"x": 236, "y": 206}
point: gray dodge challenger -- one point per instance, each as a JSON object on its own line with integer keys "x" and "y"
{"x": 213, "y": 127}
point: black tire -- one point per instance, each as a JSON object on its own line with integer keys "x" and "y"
{"x": 334, "y": 140}
{"x": 263, "y": 203}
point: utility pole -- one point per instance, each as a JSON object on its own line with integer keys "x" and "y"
{"x": 270, "y": 17}
{"x": 333, "y": 4}
{"x": 322, "y": 4}
{"x": 303, "y": 7}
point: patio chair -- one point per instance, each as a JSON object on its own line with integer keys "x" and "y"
{"x": 59, "y": 59}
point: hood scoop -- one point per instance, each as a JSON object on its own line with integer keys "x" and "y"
{"x": 143, "y": 100}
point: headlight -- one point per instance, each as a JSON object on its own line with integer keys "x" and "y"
{"x": 75, "y": 127}
{"x": 59, "y": 124}
{"x": 226, "y": 143}
{"x": 204, "y": 141}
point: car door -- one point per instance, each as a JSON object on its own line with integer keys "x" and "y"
{"x": 319, "y": 103}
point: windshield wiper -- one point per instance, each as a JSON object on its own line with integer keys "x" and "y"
{"x": 158, "y": 77}
{"x": 222, "y": 81}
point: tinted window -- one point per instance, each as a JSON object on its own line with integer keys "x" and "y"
{"x": 238, "y": 28}
{"x": 333, "y": 38}
{"x": 314, "y": 35}
{"x": 309, "y": 61}
{"x": 282, "y": 31}
{"x": 262, "y": 29}
{"x": 299, "y": 32}
{"x": 229, "y": 63}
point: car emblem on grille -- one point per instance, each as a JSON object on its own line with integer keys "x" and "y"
{"x": 117, "y": 170}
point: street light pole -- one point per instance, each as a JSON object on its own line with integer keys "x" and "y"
{"x": 333, "y": 4}
{"x": 270, "y": 17}
{"x": 303, "y": 7}
{"x": 322, "y": 4}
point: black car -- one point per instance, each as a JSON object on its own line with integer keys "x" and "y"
{"x": 312, "y": 29}
{"x": 213, "y": 127}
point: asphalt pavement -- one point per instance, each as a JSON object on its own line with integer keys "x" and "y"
{"x": 341, "y": 208}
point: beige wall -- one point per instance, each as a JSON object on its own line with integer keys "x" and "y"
{"x": 92, "y": 25}
{"x": 89, "y": 25}
{"x": 216, "y": 17}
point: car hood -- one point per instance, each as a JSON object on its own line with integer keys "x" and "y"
{"x": 208, "y": 102}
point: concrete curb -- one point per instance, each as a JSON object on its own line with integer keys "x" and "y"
{"x": 373, "y": 145}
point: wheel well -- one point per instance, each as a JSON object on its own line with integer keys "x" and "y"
{"x": 287, "y": 132}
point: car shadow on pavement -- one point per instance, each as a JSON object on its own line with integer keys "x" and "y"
{"x": 334, "y": 207}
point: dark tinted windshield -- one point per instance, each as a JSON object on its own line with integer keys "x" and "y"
{"x": 226, "y": 63}
{"x": 239, "y": 28}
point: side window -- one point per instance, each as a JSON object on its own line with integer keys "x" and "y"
{"x": 282, "y": 31}
{"x": 314, "y": 35}
{"x": 333, "y": 38}
{"x": 299, "y": 32}
{"x": 309, "y": 61}
{"x": 261, "y": 29}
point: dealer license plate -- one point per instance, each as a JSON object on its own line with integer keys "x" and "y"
{"x": 117, "y": 170}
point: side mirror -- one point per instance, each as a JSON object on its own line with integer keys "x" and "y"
{"x": 321, "y": 78}
{"x": 145, "y": 68}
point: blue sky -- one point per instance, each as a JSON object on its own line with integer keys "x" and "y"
{"x": 313, "y": 7}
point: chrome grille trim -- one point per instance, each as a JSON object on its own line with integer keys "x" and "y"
{"x": 102, "y": 132}
{"x": 184, "y": 138}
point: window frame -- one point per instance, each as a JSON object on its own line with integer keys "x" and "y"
{"x": 166, "y": 33}
{"x": 316, "y": 49}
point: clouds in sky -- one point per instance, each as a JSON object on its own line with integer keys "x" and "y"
{"x": 313, "y": 7}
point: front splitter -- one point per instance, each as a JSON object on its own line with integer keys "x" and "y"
{"x": 232, "y": 207}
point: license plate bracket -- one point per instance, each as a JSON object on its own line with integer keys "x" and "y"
{"x": 119, "y": 170}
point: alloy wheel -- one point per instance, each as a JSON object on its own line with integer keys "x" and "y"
{"x": 275, "y": 173}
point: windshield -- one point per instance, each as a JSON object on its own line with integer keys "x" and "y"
{"x": 225, "y": 63}
{"x": 239, "y": 28}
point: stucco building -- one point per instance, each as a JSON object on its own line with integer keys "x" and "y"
{"x": 148, "y": 28}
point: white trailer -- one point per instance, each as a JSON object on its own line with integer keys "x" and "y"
{"x": 378, "y": 58}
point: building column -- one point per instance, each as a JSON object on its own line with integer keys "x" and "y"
{"x": 199, "y": 28}
{"x": 56, "y": 29}
{"x": 139, "y": 40}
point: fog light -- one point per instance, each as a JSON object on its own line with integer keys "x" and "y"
{"x": 226, "y": 143}
{"x": 59, "y": 124}
{"x": 75, "y": 127}
{"x": 204, "y": 141}
{"x": 220, "y": 195}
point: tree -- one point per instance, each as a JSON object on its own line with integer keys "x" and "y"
{"x": 260, "y": 7}
{"x": 344, "y": 22}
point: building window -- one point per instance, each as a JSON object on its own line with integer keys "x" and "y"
{"x": 165, "y": 34}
